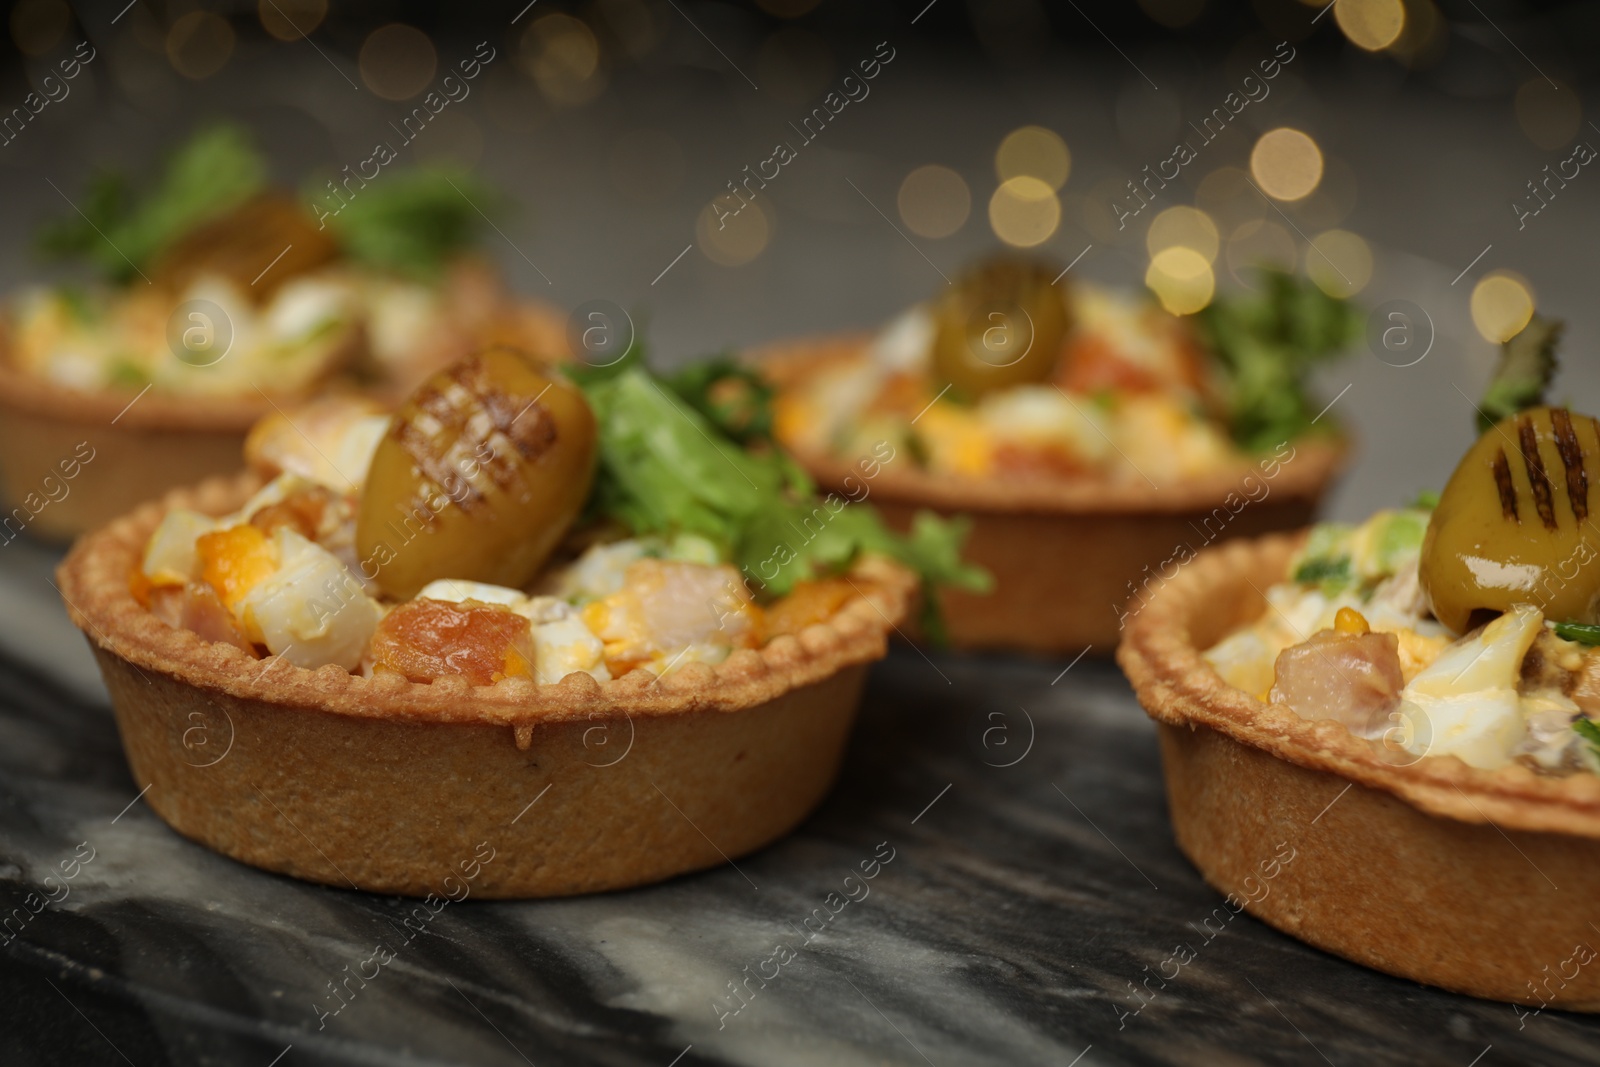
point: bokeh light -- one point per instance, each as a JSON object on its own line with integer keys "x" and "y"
{"x": 563, "y": 56}
{"x": 1424, "y": 39}
{"x": 1181, "y": 279}
{"x": 1502, "y": 304}
{"x": 1034, "y": 152}
{"x": 1333, "y": 199}
{"x": 1286, "y": 163}
{"x": 1548, "y": 114}
{"x": 1370, "y": 24}
{"x": 1339, "y": 262}
{"x": 1183, "y": 227}
{"x": 934, "y": 201}
{"x": 36, "y": 25}
{"x": 290, "y": 20}
{"x": 733, "y": 239}
{"x": 647, "y": 165}
{"x": 199, "y": 44}
{"x": 1259, "y": 243}
{"x": 397, "y": 61}
{"x": 1024, "y": 211}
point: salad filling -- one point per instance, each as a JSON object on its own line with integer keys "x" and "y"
{"x": 1013, "y": 374}
{"x": 210, "y": 283}
{"x": 506, "y": 523}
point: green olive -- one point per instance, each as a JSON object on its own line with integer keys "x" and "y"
{"x": 999, "y": 325}
{"x": 1516, "y": 523}
{"x": 479, "y": 476}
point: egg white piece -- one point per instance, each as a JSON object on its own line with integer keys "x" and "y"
{"x": 311, "y": 611}
{"x": 170, "y": 557}
{"x": 1465, "y": 704}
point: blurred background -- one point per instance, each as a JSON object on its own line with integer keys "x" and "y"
{"x": 1400, "y": 150}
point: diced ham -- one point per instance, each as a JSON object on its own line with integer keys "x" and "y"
{"x": 202, "y": 611}
{"x": 1351, "y": 678}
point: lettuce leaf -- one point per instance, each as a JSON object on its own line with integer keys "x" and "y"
{"x": 214, "y": 172}
{"x": 1265, "y": 345}
{"x": 1527, "y": 363}
{"x": 665, "y": 468}
{"x": 412, "y": 221}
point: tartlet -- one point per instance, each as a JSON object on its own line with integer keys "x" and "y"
{"x": 149, "y": 377}
{"x": 374, "y": 723}
{"x": 1067, "y": 554}
{"x": 1093, "y": 437}
{"x": 387, "y": 785}
{"x": 1478, "y": 881}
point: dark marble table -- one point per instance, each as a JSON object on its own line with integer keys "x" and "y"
{"x": 1032, "y": 879}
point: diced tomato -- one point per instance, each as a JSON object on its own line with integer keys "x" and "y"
{"x": 1090, "y": 365}
{"x": 235, "y": 560}
{"x": 1015, "y": 458}
{"x": 903, "y": 393}
{"x": 428, "y": 639}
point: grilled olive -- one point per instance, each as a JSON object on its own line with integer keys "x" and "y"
{"x": 241, "y": 243}
{"x": 1001, "y": 324}
{"x": 480, "y": 474}
{"x": 1515, "y": 523}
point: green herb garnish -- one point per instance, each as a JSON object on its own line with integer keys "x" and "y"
{"x": 214, "y": 172}
{"x": 1265, "y": 346}
{"x": 665, "y": 468}
{"x": 1589, "y": 730}
{"x": 1527, "y": 363}
{"x": 1426, "y": 500}
{"x": 734, "y": 397}
{"x": 412, "y": 221}
{"x": 1581, "y": 632}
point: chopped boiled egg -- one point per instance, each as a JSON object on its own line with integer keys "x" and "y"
{"x": 170, "y": 557}
{"x": 1465, "y": 703}
{"x": 670, "y": 612}
{"x": 1043, "y": 415}
{"x": 330, "y": 441}
{"x": 309, "y": 609}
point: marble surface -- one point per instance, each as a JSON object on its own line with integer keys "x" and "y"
{"x": 1031, "y": 879}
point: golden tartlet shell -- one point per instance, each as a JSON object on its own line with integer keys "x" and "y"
{"x": 1064, "y": 553}
{"x": 390, "y": 786}
{"x": 1481, "y": 882}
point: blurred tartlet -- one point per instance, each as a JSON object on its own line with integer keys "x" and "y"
{"x": 1092, "y": 437}
{"x": 514, "y": 584}
{"x": 1411, "y": 707}
{"x": 217, "y": 299}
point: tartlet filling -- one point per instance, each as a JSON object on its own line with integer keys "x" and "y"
{"x": 281, "y": 577}
{"x": 1125, "y": 401}
{"x": 1017, "y": 372}
{"x": 97, "y": 339}
{"x": 1351, "y": 637}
